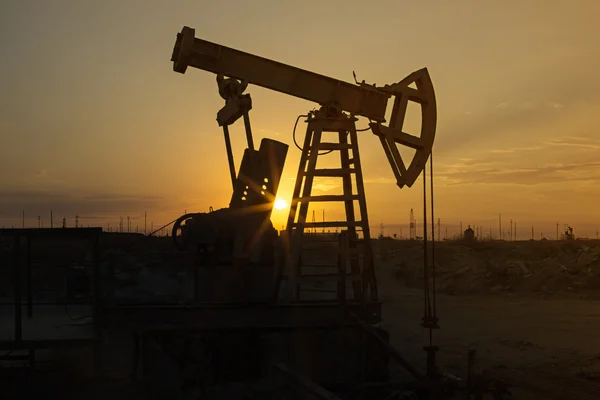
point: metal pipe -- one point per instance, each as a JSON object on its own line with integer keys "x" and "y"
{"x": 229, "y": 154}
{"x": 310, "y": 388}
{"x": 28, "y": 282}
{"x": 395, "y": 354}
{"x": 17, "y": 289}
{"x": 248, "y": 131}
{"x": 96, "y": 299}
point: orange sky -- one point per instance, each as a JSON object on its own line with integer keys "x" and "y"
{"x": 93, "y": 121}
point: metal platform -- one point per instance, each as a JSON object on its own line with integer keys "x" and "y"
{"x": 50, "y": 327}
{"x": 53, "y": 327}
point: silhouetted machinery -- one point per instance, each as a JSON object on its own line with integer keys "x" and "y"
{"x": 238, "y": 248}
{"x": 568, "y": 234}
{"x": 242, "y": 234}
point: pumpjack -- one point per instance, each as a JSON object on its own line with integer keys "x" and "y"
{"x": 243, "y": 234}
{"x": 254, "y": 279}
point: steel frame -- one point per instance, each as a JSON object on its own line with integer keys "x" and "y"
{"x": 18, "y": 343}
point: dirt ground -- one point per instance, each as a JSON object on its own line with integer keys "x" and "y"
{"x": 544, "y": 344}
{"x": 531, "y": 310}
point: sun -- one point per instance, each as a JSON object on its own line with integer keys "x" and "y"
{"x": 280, "y": 204}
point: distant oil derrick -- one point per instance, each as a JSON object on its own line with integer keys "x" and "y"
{"x": 412, "y": 235}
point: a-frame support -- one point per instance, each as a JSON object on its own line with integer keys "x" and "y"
{"x": 356, "y": 253}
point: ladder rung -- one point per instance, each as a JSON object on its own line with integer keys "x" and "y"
{"x": 305, "y": 289}
{"x": 332, "y": 172}
{"x": 328, "y": 277}
{"x": 334, "y": 146}
{"x": 335, "y": 197}
{"x": 331, "y": 224}
{"x": 320, "y": 266}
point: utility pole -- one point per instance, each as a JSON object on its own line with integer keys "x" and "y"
{"x": 39, "y": 221}
{"x": 461, "y": 231}
{"x": 557, "y": 231}
{"x": 23, "y": 219}
{"x": 439, "y": 228}
{"x": 510, "y": 235}
{"x": 532, "y": 238}
{"x": 145, "y": 218}
{"x": 515, "y": 231}
{"x": 500, "y": 225}
{"x": 51, "y": 220}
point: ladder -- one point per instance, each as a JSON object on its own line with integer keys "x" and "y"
{"x": 354, "y": 254}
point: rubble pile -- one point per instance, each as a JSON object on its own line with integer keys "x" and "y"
{"x": 498, "y": 267}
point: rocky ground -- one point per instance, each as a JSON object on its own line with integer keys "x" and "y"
{"x": 531, "y": 310}
{"x": 547, "y": 268}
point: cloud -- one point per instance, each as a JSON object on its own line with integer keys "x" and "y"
{"x": 528, "y": 106}
{"x": 379, "y": 180}
{"x": 41, "y": 172}
{"x": 516, "y": 149}
{"x": 548, "y": 173}
{"x": 322, "y": 186}
{"x": 40, "y": 202}
{"x": 580, "y": 138}
{"x": 503, "y": 113}
{"x": 582, "y": 142}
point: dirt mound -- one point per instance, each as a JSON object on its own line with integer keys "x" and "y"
{"x": 495, "y": 267}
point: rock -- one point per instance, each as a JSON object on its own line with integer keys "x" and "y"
{"x": 497, "y": 289}
{"x": 517, "y": 267}
{"x": 462, "y": 271}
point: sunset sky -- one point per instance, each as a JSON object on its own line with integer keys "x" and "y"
{"x": 94, "y": 122}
